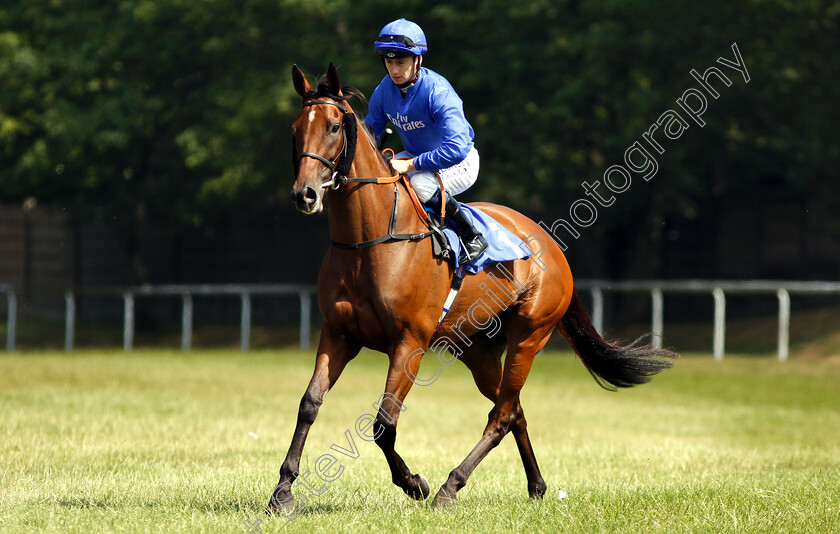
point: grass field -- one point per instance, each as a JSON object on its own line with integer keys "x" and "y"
{"x": 161, "y": 441}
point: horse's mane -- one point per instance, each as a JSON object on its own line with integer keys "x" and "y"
{"x": 323, "y": 90}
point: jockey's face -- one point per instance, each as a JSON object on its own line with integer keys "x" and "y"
{"x": 401, "y": 69}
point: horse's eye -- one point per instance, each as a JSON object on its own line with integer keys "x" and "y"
{"x": 335, "y": 128}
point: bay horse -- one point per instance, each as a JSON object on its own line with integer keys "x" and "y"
{"x": 387, "y": 294}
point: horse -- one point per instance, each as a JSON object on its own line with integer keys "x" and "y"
{"x": 385, "y": 291}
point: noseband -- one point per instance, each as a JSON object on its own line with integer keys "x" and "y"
{"x": 348, "y": 144}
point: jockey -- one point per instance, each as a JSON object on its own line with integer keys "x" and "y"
{"x": 429, "y": 116}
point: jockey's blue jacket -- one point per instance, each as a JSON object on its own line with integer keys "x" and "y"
{"x": 430, "y": 120}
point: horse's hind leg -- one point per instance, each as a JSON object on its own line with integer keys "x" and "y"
{"x": 536, "y": 484}
{"x": 502, "y": 419}
{"x": 334, "y": 351}
{"x": 484, "y": 360}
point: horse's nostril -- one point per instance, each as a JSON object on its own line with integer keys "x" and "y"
{"x": 305, "y": 198}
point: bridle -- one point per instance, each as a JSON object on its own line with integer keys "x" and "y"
{"x": 340, "y": 170}
{"x": 346, "y": 153}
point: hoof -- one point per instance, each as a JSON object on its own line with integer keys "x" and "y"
{"x": 537, "y": 491}
{"x": 421, "y": 491}
{"x": 281, "y": 503}
{"x": 443, "y": 500}
{"x": 276, "y": 509}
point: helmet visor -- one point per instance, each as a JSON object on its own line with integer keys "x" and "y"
{"x": 397, "y": 40}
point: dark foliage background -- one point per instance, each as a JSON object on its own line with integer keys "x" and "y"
{"x": 176, "y": 113}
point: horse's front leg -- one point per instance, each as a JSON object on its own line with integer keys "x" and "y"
{"x": 402, "y": 371}
{"x": 334, "y": 351}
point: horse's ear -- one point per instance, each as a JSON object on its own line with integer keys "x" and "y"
{"x": 333, "y": 80}
{"x": 301, "y": 85}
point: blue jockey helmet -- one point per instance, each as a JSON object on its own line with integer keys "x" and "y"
{"x": 401, "y": 38}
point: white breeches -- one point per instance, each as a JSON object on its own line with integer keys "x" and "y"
{"x": 456, "y": 179}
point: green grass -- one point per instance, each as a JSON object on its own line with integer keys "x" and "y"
{"x": 158, "y": 441}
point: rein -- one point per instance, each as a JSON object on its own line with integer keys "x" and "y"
{"x": 340, "y": 169}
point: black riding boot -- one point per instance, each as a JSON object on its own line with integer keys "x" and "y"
{"x": 473, "y": 243}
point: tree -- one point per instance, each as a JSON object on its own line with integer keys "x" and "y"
{"x": 177, "y": 112}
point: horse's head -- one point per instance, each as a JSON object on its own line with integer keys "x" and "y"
{"x": 324, "y": 140}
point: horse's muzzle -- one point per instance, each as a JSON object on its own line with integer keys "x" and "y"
{"x": 306, "y": 199}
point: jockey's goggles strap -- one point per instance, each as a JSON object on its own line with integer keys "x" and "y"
{"x": 398, "y": 39}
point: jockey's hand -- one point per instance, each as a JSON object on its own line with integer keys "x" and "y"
{"x": 403, "y": 166}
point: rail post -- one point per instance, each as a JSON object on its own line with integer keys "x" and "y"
{"x": 245, "y": 322}
{"x": 657, "y": 326}
{"x": 305, "y": 313}
{"x": 186, "y": 321}
{"x": 598, "y": 309}
{"x": 128, "y": 321}
{"x": 719, "y": 335}
{"x": 784, "y": 323}
{"x": 69, "y": 320}
{"x": 11, "y": 320}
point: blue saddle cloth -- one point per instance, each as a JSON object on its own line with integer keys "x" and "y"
{"x": 503, "y": 245}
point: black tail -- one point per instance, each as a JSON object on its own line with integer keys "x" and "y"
{"x": 611, "y": 366}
